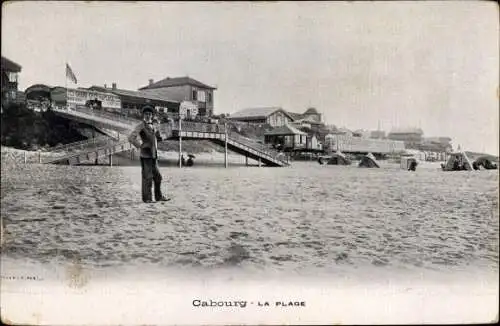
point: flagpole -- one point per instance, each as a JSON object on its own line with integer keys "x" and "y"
{"x": 66, "y": 84}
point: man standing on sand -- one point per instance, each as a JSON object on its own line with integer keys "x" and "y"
{"x": 148, "y": 146}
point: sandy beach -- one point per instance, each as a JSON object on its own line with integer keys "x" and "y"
{"x": 397, "y": 238}
{"x": 327, "y": 214}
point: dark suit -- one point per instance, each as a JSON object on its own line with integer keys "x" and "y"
{"x": 149, "y": 158}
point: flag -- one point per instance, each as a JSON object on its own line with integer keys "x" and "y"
{"x": 70, "y": 74}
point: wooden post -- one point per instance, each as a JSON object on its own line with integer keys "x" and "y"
{"x": 25, "y": 158}
{"x": 180, "y": 141}
{"x": 246, "y": 160}
{"x": 225, "y": 145}
{"x": 40, "y": 157}
{"x": 110, "y": 159}
{"x": 260, "y": 164}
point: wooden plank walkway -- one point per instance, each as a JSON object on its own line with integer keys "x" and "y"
{"x": 186, "y": 130}
{"x": 93, "y": 154}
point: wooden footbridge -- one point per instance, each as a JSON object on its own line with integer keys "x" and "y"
{"x": 117, "y": 128}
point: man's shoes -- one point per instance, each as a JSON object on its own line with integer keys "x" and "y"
{"x": 147, "y": 201}
{"x": 162, "y": 198}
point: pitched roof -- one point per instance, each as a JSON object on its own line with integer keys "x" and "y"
{"x": 255, "y": 113}
{"x": 284, "y": 131}
{"x": 137, "y": 94}
{"x": 437, "y": 139}
{"x": 343, "y": 130}
{"x": 38, "y": 87}
{"x": 295, "y": 116}
{"x": 311, "y": 111}
{"x": 10, "y": 65}
{"x": 145, "y": 95}
{"x": 176, "y": 81}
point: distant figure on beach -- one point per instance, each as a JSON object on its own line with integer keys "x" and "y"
{"x": 413, "y": 165}
{"x": 148, "y": 132}
{"x": 190, "y": 160}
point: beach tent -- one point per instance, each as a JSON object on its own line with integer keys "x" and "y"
{"x": 485, "y": 162}
{"x": 368, "y": 161}
{"x": 457, "y": 161}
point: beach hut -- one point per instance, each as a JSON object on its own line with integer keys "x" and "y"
{"x": 337, "y": 158}
{"x": 408, "y": 163}
{"x": 286, "y": 137}
{"x": 368, "y": 161}
{"x": 457, "y": 161}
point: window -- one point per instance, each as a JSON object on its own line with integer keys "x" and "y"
{"x": 209, "y": 97}
{"x": 194, "y": 95}
{"x": 13, "y": 77}
{"x": 201, "y": 96}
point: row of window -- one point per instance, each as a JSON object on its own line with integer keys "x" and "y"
{"x": 10, "y": 95}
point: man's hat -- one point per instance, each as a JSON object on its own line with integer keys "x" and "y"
{"x": 148, "y": 108}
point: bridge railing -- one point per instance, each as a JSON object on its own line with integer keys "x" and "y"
{"x": 78, "y": 144}
{"x": 197, "y": 126}
{"x": 103, "y": 145}
{"x": 103, "y": 114}
{"x": 83, "y": 148}
{"x": 192, "y": 126}
{"x": 221, "y": 128}
{"x": 258, "y": 146}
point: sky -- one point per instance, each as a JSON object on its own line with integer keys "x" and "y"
{"x": 433, "y": 65}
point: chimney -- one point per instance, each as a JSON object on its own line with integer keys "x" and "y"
{"x": 113, "y": 85}
{"x": 151, "y": 81}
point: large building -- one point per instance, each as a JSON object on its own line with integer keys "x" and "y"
{"x": 352, "y": 144}
{"x": 182, "y": 89}
{"x": 133, "y": 101}
{"x": 10, "y": 75}
{"x": 39, "y": 97}
{"x": 82, "y": 97}
{"x": 436, "y": 144}
{"x": 276, "y": 116}
{"x": 273, "y": 116}
{"x": 412, "y": 137}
